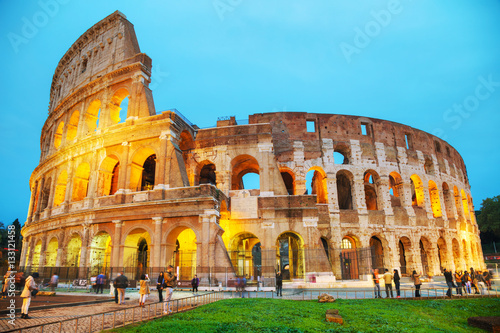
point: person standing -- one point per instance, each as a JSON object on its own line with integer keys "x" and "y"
{"x": 388, "y": 283}
{"x": 416, "y": 281}
{"x": 170, "y": 279}
{"x": 279, "y": 284}
{"x": 29, "y": 285}
{"x": 376, "y": 281}
{"x": 54, "y": 280}
{"x": 449, "y": 281}
{"x": 144, "y": 290}
{"x": 397, "y": 280}
{"x": 458, "y": 281}
{"x": 99, "y": 282}
{"x": 121, "y": 283}
{"x": 466, "y": 280}
{"x": 5, "y": 286}
{"x": 159, "y": 286}
{"x": 194, "y": 283}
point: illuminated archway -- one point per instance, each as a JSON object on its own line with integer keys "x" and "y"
{"x": 108, "y": 176}
{"x": 443, "y": 254}
{"x": 435, "y": 201}
{"x": 417, "y": 191}
{"x": 91, "y": 117}
{"x": 100, "y": 253}
{"x": 51, "y": 253}
{"x": 185, "y": 254}
{"x": 349, "y": 258}
{"x": 290, "y": 256}
{"x": 72, "y": 127}
{"x": 241, "y": 166}
{"x": 60, "y": 193}
{"x": 395, "y": 188}
{"x": 371, "y": 179}
{"x": 245, "y": 253}
{"x": 73, "y": 251}
{"x": 136, "y": 251}
{"x": 119, "y": 106}
{"x": 139, "y": 177}
{"x": 465, "y": 204}
{"x": 58, "y": 135}
{"x": 81, "y": 182}
{"x": 316, "y": 184}
{"x": 36, "y": 254}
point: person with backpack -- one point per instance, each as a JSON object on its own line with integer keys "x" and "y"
{"x": 29, "y": 287}
{"x": 169, "y": 284}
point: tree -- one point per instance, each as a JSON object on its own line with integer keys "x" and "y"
{"x": 488, "y": 219}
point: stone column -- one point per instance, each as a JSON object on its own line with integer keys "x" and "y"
{"x": 41, "y": 185}
{"x": 156, "y": 242}
{"x": 383, "y": 196}
{"x": 43, "y": 251}
{"x": 115, "y": 250}
{"x": 50, "y": 202}
{"x": 69, "y": 185}
{"x": 161, "y": 162}
{"x": 22, "y": 260}
{"x": 359, "y": 195}
{"x": 331, "y": 188}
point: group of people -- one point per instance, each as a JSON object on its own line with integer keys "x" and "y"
{"x": 468, "y": 280}
{"x": 388, "y": 278}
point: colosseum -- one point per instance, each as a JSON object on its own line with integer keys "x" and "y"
{"x": 122, "y": 187}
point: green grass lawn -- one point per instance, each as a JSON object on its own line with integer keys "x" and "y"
{"x": 272, "y": 315}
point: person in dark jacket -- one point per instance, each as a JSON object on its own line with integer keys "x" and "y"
{"x": 449, "y": 281}
{"x": 159, "y": 286}
{"x": 397, "y": 280}
{"x": 279, "y": 284}
{"x": 121, "y": 284}
{"x": 194, "y": 283}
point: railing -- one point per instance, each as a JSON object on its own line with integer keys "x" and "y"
{"x": 122, "y": 317}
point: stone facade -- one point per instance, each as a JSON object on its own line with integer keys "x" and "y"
{"x": 132, "y": 188}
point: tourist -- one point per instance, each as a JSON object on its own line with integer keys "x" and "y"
{"x": 169, "y": 285}
{"x": 54, "y": 280}
{"x": 93, "y": 283}
{"x": 458, "y": 282}
{"x": 466, "y": 281}
{"x": 159, "y": 286}
{"x": 194, "y": 283}
{"x": 397, "y": 279}
{"x": 144, "y": 289}
{"x": 243, "y": 285}
{"x": 376, "y": 281}
{"x": 29, "y": 286}
{"x": 121, "y": 283}
{"x": 480, "y": 282}
{"x": 449, "y": 281}
{"x": 388, "y": 283}
{"x": 417, "y": 283}
{"x": 5, "y": 286}
{"x": 99, "y": 283}
{"x": 487, "y": 279}
{"x": 279, "y": 284}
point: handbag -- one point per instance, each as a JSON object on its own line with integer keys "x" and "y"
{"x": 34, "y": 292}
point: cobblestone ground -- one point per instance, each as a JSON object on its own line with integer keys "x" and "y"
{"x": 72, "y": 315}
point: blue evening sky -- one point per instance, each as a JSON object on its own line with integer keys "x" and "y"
{"x": 433, "y": 65}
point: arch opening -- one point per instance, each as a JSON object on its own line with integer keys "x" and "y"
{"x": 246, "y": 255}
{"x": 290, "y": 256}
{"x": 100, "y": 253}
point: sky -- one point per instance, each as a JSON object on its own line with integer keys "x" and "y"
{"x": 432, "y": 65}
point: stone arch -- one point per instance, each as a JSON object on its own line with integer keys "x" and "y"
{"x": 246, "y": 255}
{"x": 443, "y": 255}
{"x": 37, "y": 251}
{"x": 341, "y": 153}
{"x": 46, "y": 193}
{"x": 345, "y": 181}
{"x": 206, "y": 173}
{"x": 60, "y": 192}
{"x": 240, "y": 166}
{"x": 108, "y": 176}
{"x": 72, "y": 127}
{"x": 456, "y": 254}
{"x": 395, "y": 188}
{"x": 73, "y": 250}
{"x": 81, "y": 181}
{"x": 426, "y": 256}
{"x": 371, "y": 179}
{"x": 448, "y": 201}
{"x": 318, "y": 184}
{"x": 417, "y": 191}
{"x": 136, "y": 250}
{"x": 458, "y": 200}
{"x": 465, "y": 205}
{"x": 100, "y": 253}
{"x": 405, "y": 257}
{"x": 182, "y": 249}
{"x": 91, "y": 117}
{"x": 186, "y": 141}
{"x": 349, "y": 259}
{"x": 58, "y": 134}
{"x": 51, "y": 252}
{"x": 116, "y": 112}
{"x": 139, "y": 180}
{"x": 288, "y": 178}
{"x": 471, "y": 209}
{"x": 377, "y": 252}
{"x": 290, "y": 255}
{"x": 428, "y": 165}
{"x": 435, "y": 201}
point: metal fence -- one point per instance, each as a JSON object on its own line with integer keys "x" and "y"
{"x": 122, "y": 317}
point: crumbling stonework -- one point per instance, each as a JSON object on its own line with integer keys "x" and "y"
{"x": 142, "y": 190}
